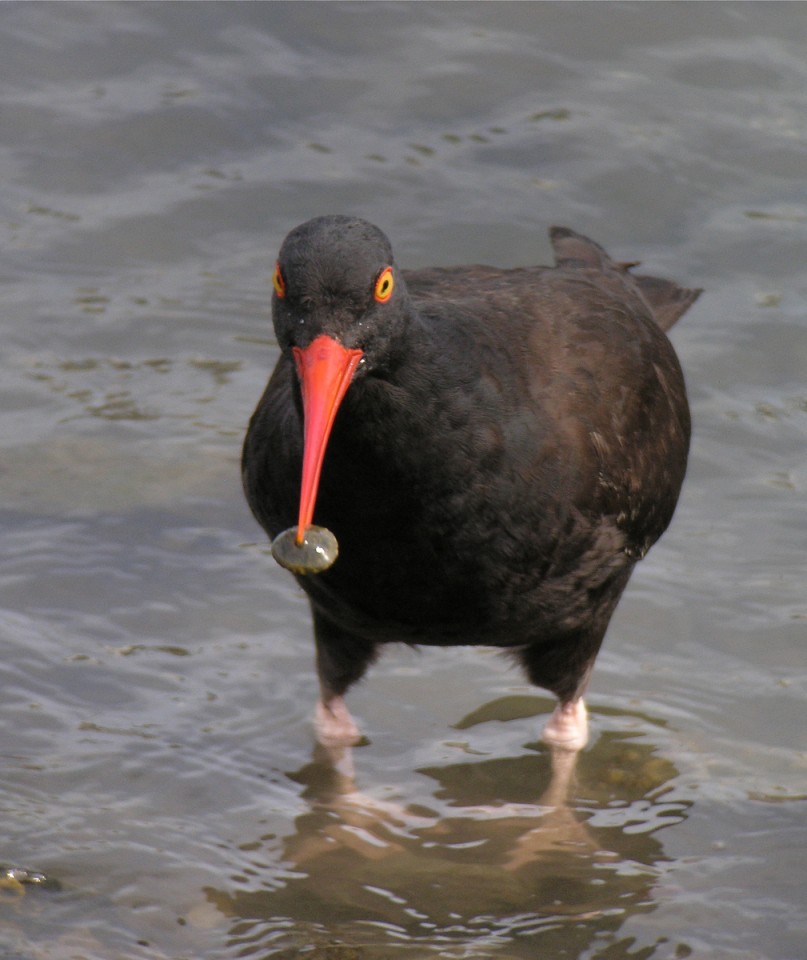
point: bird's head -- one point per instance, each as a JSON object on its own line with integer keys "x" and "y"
{"x": 335, "y": 276}
{"x": 338, "y": 302}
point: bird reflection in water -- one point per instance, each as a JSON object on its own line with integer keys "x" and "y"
{"x": 491, "y": 843}
{"x": 483, "y": 813}
{"x": 376, "y": 828}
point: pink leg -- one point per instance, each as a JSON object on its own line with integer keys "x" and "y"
{"x": 334, "y": 724}
{"x": 568, "y": 726}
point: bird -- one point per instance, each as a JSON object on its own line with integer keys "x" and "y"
{"x": 493, "y": 450}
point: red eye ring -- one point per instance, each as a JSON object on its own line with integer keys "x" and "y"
{"x": 384, "y": 285}
{"x": 278, "y": 282}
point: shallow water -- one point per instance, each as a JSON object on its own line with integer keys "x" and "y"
{"x": 155, "y": 739}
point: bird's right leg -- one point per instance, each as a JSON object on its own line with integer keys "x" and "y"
{"x": 342, "y": 659}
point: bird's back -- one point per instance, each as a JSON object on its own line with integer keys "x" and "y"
{"x": 578, "y": 258}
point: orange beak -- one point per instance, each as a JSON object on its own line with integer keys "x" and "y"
{"x": 325, "y": 369}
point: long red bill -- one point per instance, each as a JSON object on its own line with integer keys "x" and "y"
{"x": 326, "y": 369}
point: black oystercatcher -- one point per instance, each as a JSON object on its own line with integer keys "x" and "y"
{"x": 493, "y": 449}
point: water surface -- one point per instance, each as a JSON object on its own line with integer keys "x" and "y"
{"x": 158, "y": 762}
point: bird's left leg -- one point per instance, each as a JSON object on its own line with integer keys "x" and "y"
{"x": 567, "y": 728}
{"x": 564, "y": 667}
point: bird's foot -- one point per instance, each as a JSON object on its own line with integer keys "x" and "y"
{"x": 567, "y": 728}
{"x": 334, "y": 725}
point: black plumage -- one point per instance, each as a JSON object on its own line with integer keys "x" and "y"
{"x": 510, "y": 444}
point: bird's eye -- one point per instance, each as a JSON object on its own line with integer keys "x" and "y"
{"x": 278, "y": 282}
{"x": 384, "y": 285}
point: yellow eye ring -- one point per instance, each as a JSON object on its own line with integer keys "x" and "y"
{"x": 384, "y": 285}
{"x": 278, "y": 282}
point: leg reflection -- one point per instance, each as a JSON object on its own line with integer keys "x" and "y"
{"x": 508, "y": 836}
{"x": 558, "y": 829}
